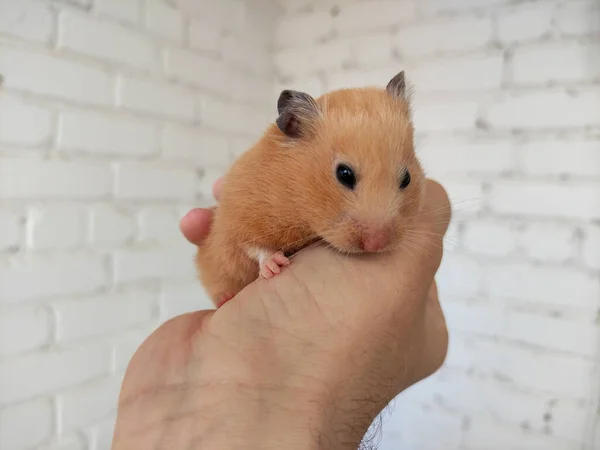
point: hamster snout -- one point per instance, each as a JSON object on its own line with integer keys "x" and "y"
{"x": 374, "y": 236}
{"x": 375, "y": 239}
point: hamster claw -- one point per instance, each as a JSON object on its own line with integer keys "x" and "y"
{"x": 271, "y": 265}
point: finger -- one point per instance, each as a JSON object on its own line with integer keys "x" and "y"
{"x": 195, "y": 225}
{"x": 436, "y": 211}
{"x": 414, "y": 264}
{"x": 217, "y": 187}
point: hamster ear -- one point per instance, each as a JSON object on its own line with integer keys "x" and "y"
{"x": 397, "y": 86}
{"x": 296, "y": 111}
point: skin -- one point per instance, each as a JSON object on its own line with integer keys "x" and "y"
{"x": 305, "y": 360}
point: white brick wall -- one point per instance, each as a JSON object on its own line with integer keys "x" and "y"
{"x": 507, "y": 111}
{"x": 104, "y": 144}
{"x": 117, "y": 115}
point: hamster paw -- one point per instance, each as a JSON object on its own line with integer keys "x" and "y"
{"x": 271, "y": 265}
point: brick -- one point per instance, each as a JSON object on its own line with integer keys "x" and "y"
{"x": 10, "y": 229}
{"x": 513, "y": 437}
{"x": 302, "y": 29}
{"x": 484, "y": 396}
{"x": 255, "y": 23}
{"x": 331, "y": 55}
{"x": 159, "y": 224}
{"x": 57, "y": 226}
{"x": 372, "y": 49}
{"x": 23, "y": 123}
{"x": 240, "y": 145}
{"x": 24, "y": 329}
{"x": 302, "y": 61}
{"x": 101, "y": 434}
{"x": 110, "y": 226}
{"x": 154, "y": 263}
{"x": 164, "y": 20}
{"x": 293, "y": 62}
{"x": 62, "y": 78}
{"x": 451, "y": 115}
{"x": 205, "y": 36}
{"x": 358, "y": 78}
{"x": 546, "y": 110}
{"x": 83, "y": 4}
{"x": 413, "y": 433}
{"x": 27, "y": 424}
{"x": 74, "y": 404}
{"x": 574, "y": 336}
{"x": 446, "y": 6}
{"x": 238, "y": 52}
{"x": 591, "y": 247}
{"x": 488, "y": 397}
{"x": 127, "y": 344}
{"x": 289, "y": 7}
{"x": 466, "y": 197}
{"x": 459, "y": 276}
{"x": 30, "y": 278}
{"x": 229, "y": 117}
{"x": 549, "y": 242}
{"x": 542, "y": 198}
{"x": 47, "y": 179}
{"x": 20, "y": 378}
{"x": 217, "y": 12}
{"x": 480, "y": 317}
{"x": 253, "y": 89}
{"x": 444, "y": 37}
{"x": 361, "y": 17}
{"x": 197, "y": 145}
{"x": 534, "y": 370}
{"x": 491, "y": 238}
{"x": 182, "y": 298}
{"x": 27, "y": 20}
{"x": 312, "y": 84}
{"x": 156, "y": 98}
{"x": 578, "y": 18}
{"x": 118, "y": 9}
{"x": 548, "y": 158}
{"x": 98, "y": 133}
{"x": 201, "y": 71}
{"x": 479, "y": 73}
{"x": 104, "y": 314}
{"x": 562, "y": 63}
{"x": 69, "y": 442}
{"x": 97, "y": 39}
{"x": 525, "y": 23}
{"x": 152, "y": 181}
{"x": 528, "y": 283}
{"x": 446, "y": 156}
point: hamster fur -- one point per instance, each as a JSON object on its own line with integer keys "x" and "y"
{"x": 340, "y": 168}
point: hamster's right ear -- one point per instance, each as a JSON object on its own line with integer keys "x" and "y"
{"x": 397, "y": 87}
{"x": 297, "y": 111}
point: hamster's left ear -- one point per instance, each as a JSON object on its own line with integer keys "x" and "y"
{"x": 397, "y": 86}
{"x": 297, "y": 111}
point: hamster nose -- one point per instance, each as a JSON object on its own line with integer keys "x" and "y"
{"x": 375, "y": 239}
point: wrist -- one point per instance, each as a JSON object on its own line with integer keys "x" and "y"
{"x": 270, "y": 415}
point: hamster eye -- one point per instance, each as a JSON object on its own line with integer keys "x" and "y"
{"x": 405, "y": 180}
{"x": 345, "y": 175}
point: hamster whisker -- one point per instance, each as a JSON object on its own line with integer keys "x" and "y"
{"x": 448, "y": 247}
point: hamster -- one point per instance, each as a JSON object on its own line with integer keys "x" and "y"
{"x": 340, "y": 169}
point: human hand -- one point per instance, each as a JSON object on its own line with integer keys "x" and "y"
{"x": 305, "y": 360}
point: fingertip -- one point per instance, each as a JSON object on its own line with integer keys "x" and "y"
{"x": 217, "y": 187}
{"x": 437, "y": 205}
{"x": 195, "y": 225}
